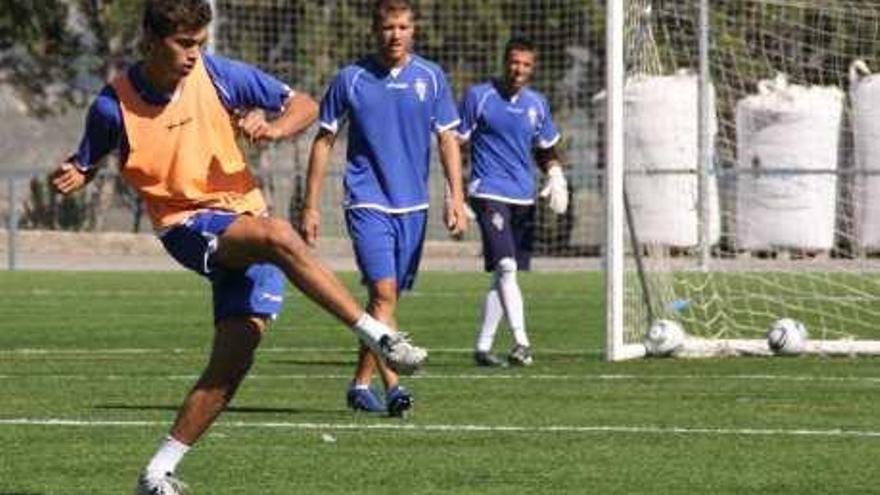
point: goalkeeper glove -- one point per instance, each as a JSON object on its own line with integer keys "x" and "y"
{"x": 556, "y": 189}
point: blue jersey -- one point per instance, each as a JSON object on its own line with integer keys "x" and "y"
{"x": 503, "y": 133}
{"x": 240, "y": 86}
{"x": 392, "y": 115}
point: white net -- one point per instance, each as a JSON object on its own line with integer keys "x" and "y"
{"x": 786, "y": 223}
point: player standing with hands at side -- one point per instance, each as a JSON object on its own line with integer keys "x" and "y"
{"x": 173, "y": 118}
{"x": 394, "y": 101}
{"x": 510, "y": 128}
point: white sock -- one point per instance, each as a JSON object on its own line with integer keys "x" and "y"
{"x": 493, "y": 311}
{"x": 511, "y": 298}
{"x": 167, "y": 457}
{"x": 370, "y": 330}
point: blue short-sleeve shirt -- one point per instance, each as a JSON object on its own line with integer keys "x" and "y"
{"x": 392, "y": 115}
{"x": 503, "y": 132}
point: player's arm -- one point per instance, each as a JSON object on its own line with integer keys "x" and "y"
{"x": 334, "y": 108}
{"x": 548, "y": 159}
{"x": 446, "y": 124}
{"x": 319, "y": 157}
{"x": 300, "y": 111}
{"x": 252, "y": 95}
{"x": 102, "y": 135}
{"x": 450, "y": 156}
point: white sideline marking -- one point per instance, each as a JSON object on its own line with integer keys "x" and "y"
{"x": 671, "y": 430}
{"x": 478, "y": 377}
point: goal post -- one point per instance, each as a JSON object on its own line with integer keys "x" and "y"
{"x": 750, "y": 157}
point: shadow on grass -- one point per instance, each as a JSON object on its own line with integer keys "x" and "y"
{"x": 233, "y": 409}
{"x": 311, "y": 362}
{"x": 28, "y": 493}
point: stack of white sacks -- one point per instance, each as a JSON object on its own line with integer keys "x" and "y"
{"x": 865, "y": 95}
{"x": 794, "y": 131}
{"x": 662, "y": 157}
{"x": 788, "y": 141}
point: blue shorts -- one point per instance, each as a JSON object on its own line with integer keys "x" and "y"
{"x": 507, "y": 231}
{"x": 257, "y": 290}
{"x": 387, "y": 245}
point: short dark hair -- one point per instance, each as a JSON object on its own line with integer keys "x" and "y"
{"x": 165, "y": 17}
{"x": 519, "y": 43}
{"x": 384, "y": 8}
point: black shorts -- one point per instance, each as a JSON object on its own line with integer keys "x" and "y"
{"x": 506, "y": 230}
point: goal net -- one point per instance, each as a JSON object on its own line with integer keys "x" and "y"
{"x": 752, "y": 194}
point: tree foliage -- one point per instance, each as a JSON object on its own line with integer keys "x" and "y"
{"x": 55, "y": 53}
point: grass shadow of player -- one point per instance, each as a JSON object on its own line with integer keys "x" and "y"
{"x": 231, "y": 409}
{"x": 313, "y": 362}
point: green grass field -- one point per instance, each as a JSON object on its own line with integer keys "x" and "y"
{"x": 93, "y": 366}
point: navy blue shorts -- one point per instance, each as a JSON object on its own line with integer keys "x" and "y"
{"x": 387, "y": 245}
{"x": 257, "y": 290}
{"x": 507, "y": 231}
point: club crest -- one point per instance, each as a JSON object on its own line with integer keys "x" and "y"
{"x": 533, "y": 116}
{"x": 498, "y": 221}
{"x": 421, "y": 87}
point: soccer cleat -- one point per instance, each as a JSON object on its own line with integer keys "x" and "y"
{"x": 363, "y": 399}
{"x": 488, "y": 359}
{"x": 520, "y": 356}
{"x": 400, "y": 354}
{"x": 399, "y": 401}
{"x": 159, "y": 485}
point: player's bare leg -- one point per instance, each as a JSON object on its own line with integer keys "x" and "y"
{"x": 264, "y": 239}
{"x": 381, "y": 306}
{"x": 232, "y": 354}
{"x": 235, "y": 340}
{"x": 250, "y": 240}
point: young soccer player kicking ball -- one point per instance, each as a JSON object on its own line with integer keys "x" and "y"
{"x": 394, "y": 100}
{"x": 506, "y": 122}
{"x": 173, "y": 118}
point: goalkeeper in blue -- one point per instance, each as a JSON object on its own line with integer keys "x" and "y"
{"x": 393, "y": 101}
{"x": 510, "y": 130}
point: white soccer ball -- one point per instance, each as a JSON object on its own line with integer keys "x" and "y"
{"x": 664, "y": 337}
{"x": 787, "y": 336}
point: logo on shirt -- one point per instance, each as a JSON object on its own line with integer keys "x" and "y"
{"x": 421, "y": 87}
{"x": 179, "y": 123}
{"x": 498, "y": 221}
{"x": 533, "y": 116}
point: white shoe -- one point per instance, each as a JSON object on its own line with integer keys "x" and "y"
{"x": 400, "y": 354}
{"x": 159, "y": 485}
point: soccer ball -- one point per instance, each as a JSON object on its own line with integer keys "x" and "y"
{"x": 664, "y": 337}
{"x": 787, "y": 336}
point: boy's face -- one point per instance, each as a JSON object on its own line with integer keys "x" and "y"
{"x": 177, "y": 54}
{"x": 395, "y": 36}
{"x": 519, "y": 67}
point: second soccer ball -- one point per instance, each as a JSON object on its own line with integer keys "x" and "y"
{"x": 787, "y": 336}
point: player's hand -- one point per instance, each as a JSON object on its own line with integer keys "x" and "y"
{"x": 254, "y": 125}
{"x": 556, "y": 190}
{"x": 67, "y": 178}
{"x": 456, "y": 218}
{"x": 309, "y": 225}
